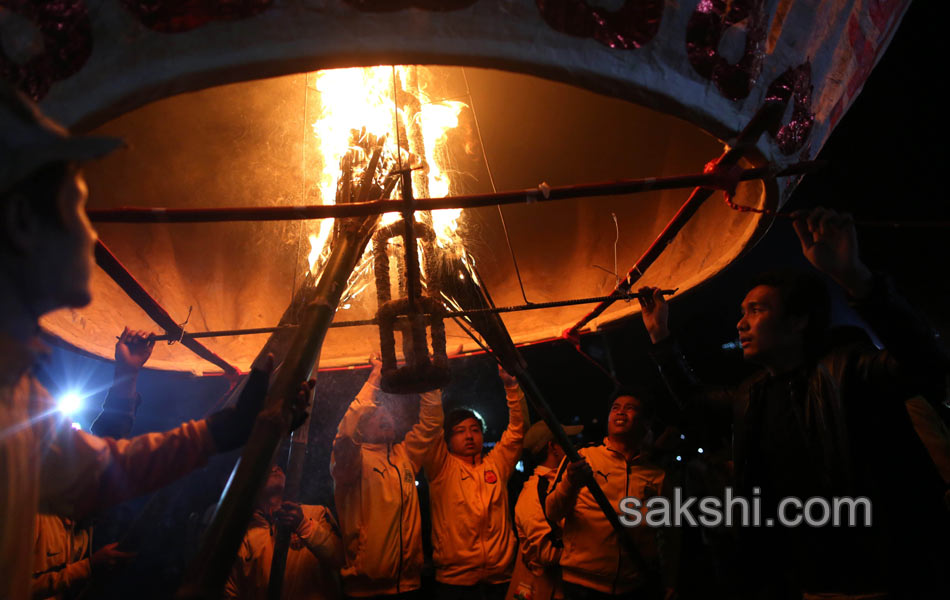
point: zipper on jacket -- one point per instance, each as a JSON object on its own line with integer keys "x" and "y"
{"x": 399, "y": 481}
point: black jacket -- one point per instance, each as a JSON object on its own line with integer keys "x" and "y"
{"x": 859, "y": 437}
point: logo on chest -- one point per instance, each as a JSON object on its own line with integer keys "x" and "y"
{"x": 490, "y": 477}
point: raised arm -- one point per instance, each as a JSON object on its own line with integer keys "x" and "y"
{"x": 436, "y": 456}
{"x": 508, "y": 449}
{"x": 427, "y": 431}
{"x": 913, "y": 350}
{"x": 686, "y": 391}
{"x": 345, "y": 458}
{"x": 132, "y": 350}
{"x": 80, "y": 473}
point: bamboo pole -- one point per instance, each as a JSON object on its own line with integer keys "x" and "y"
{"x": 769, "y": 114}
{"x": 542, "y": 193}
{"x": 208, "y": 573}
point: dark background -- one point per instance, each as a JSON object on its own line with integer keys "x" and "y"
{"x": 887, "y": 163}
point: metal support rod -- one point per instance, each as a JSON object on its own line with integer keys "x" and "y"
{"x": 542, "y": 193}
{"x": 454, "y": 314}
{"x": 108, "y": 262}
{"x": 769, "y": 113}
{"x": 409, "y": 243}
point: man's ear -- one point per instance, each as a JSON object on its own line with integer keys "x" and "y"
{"x": 19, "y": 223}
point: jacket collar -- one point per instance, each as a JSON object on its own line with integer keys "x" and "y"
{"x": 617, "y": 453}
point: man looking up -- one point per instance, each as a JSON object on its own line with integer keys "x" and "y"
{"x": 827, "y": 421}
{"x": 374, "y": 479}
{"x": 594, "y": 564}
{"x": 46, "y": 259}
{"x": 473, "y": 543}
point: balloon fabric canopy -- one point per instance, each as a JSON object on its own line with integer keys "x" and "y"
{"x": 256, "y": 104}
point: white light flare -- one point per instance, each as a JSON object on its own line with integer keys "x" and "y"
{"x": 69, "y": 403}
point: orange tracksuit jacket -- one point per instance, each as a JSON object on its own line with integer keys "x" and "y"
{"x": 60, "y": 557}
{"x": 592, "y": 556}
{"x": 312, "y": 558}
{"x": 376, "y": 498}
{"x": 472, "y": 535}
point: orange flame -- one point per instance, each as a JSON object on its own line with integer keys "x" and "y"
{"x": 358, "y": 98}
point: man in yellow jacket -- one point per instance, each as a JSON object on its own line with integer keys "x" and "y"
{"x": 593, "y": 563}
{"x": 313, "y": 558}
{"x": 375, "y": 490}
{"x": 473, "y": 541}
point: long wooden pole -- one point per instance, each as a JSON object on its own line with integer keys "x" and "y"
{"x": 542, "y": 193}
{"x": 207, "y": 575}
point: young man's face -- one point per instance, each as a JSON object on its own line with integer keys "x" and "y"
{"x": 765, "y": 332}
{"x": 466, "y": 438}
{"x": 626, "y": 418}
{"x": 379, "y": 427}
{"x": 64, "y": 256}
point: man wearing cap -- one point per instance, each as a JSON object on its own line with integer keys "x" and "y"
{"x": 46, "y": 258}
{"x": 593, "y": 562}
{"x": 540, "y": 540}
{"x": 374, "y": 481}
{"x": 473, "y": 542}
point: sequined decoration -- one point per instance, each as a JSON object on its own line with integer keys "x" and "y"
{"x": 394, "y": 5}
{"x": 626, "y": 28}
{"x": 704, "y": 32}
{"x": 794, "y": 84}
{"x": 66, "y": 44}
{"x": 177, "y": 16}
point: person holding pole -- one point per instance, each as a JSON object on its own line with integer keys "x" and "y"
{"x": 594, "y": 563}
{"x": 313, "y": 558}
{"x": 824, "y": 420}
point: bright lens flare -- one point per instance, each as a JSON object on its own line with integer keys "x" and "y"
{"x": 69, "y": 403}
{"x": 362, "y": 99}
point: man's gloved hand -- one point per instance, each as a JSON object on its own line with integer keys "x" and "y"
{"x": 230, "y": 427}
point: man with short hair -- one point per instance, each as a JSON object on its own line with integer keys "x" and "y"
{"x": 374, "y": 479}
{"x": 594, "y": 563}
{"x": 827, "y": 421}
{"x": 473, "y": 541}
{"x": 46, "y": 259}
{"x": 540, "y": 539}
{"x": 313, "y": 557}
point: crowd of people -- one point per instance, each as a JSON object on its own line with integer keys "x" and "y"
{"x": 823, "y": 418}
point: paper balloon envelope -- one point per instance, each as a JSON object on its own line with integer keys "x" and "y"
{"x": 247, "y": 106}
